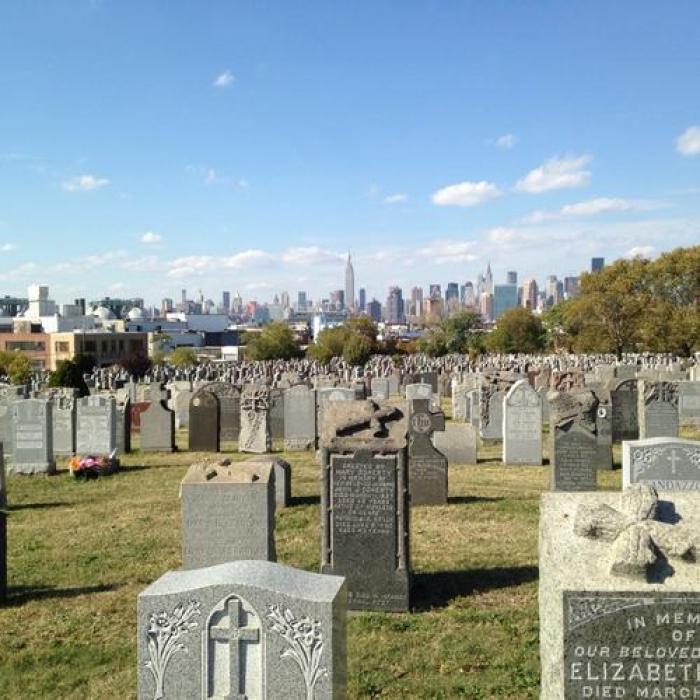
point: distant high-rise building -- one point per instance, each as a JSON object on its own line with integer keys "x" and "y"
{"x": 226, "y": 302}
{"x": 452, "y": 291}
{"x": 597, "y": 264}
{"x": 301, "y": 301}
{"x": 486, "y": 306}
{"x": 80, "y": 303}
{"x": 349, "y": 284}
{"x": 530, "y": 292}
{"x": 394, "y": 306}
{"x": 363, "y": 298}
{"x": 467, "y": 294}
{"x": 338, "y": 299}
{"x": 480, "y": 285}
{"x": 512, "y": 277}
{"x": 374, "y": 310}
{"x": 435, "y": 291}
{"x": 488, "y": 280}
{"x": 166, "y": 306}
{"x": 417, "y": 300}
{"x": 183, "y": 297}
{"x": 505, "y": 296}
{"x": 570, "y": 287}
{"x": 284, "y": 300}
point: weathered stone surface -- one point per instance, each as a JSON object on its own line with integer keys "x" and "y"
{"x": 204, "y": 422}
{"x": 419, "y": 391}
{"x": 277, "y": 413}
{"x": 380, "y": 388}
{"x": 229, "y": 397}
{"x": 32, "y": 441}
{"x": 573, "y": 445}
{"x": 327, "y": 396}
{"x": 255, "y": 421}
{"x": 493, "y": 388}
{"x": 603, "y": 429}
{"x": 364, "y": 503}
{"x": 228, "y": 513}
{"x": 123, "y": 413}
{"x": 522, "y": 425}
{"x": 668, "y": 464}
{"x": 625, "y": 418}
{"x": 63, "y": 425}
{"x": 689, "y": 403}
{"x": 657, "y": 407}
{"x": 245, "y": 629}
{"x": 96, "y": 425}
{"x": 180, "y": 403}
{"x": 593, "y": 619}
{"x": 299, "y": 418}
{"x": 457, "y": 442}
{"x": 427, "y": 480}
{"x": 157, "y": 428}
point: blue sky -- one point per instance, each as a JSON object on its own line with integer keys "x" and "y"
{"x": 244, "y": 145}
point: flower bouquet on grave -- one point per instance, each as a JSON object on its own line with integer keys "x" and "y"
{"x": 92, "y": 466}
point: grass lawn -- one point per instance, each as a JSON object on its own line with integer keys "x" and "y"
{"x": 80, "y": 552}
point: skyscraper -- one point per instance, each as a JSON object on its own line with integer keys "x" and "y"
{"x": 468, "y": 297}
{"x": 570, "y": 287}
{"x": 597, "y": 264}
{"x": 435, "y": 291}
{"x": 363, "y": 298}
{"x": 374, "y": 310}
{"x": 505, "y": 296}
{"x": 530, "y": 293}
{"x": 417, "y": 300}
{"x": 226, "y": 301}
{"x": 488, "y": 280}
{"x": 512, "y": 277}
{"x": 301, "y": 302}
{"x": 394, "y": 306}
{"x": 349, "y": 284}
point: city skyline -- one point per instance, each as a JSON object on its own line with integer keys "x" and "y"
{"x": 427, "y": 142}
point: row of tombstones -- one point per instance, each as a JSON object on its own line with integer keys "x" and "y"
{"x": 619, "y": 583}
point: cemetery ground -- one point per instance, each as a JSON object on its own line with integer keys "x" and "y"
{"x": 80, "y": 552}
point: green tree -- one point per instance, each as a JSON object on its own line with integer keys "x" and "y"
{"x": 358, "y": 349}
{"x": 517, "y": 330}
{"x": 329, "y": 344}
{"x": 459, "y": 333}
{"x": 20, "y": 368}
{"x": 183, "y": 357}
{"x": 275, "y": 342}
{"x": 68, "y": 373}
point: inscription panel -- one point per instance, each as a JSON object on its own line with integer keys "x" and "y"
{"x": 574, "y": 461}
{"x": 631, "y": 645}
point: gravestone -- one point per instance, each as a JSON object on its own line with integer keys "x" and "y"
{"x": 522, "y": 425}
{"x": 603, "y": 429}
{"x": 3, "y": 481}
{"x": 277, "y": 397}
{"x": 461, "y": 408}
{"x": 457, "y": 442}
{"x": 63, "y": 425}
{"x": 229, "y": 408}
{"x": 394, "y": 385}
{"x": 204, "y": 422}
{"x": 329, "y": 395}
{"x": 657, "y": 407}
{"x": 96, "y": 425}
{"x": 419, "y": 391}
{"x": 157, "y": 428}
{"x": 429, "y": 378}
{"x": 619, "y": 595}
{"x": 3, "y": 554}
{"x": 427, "y": 470}
{"x": 542, "y": 392}
{"x": 228, "y": 513}
{"x": 364, "y": 503}
{"x": 247, "y": 630}
{"x": 8, "y": 395}
{"x": 283, "y": 477}
{"x": 32, "y": 444}
{"x": 181, "y": 399}
{"x": 474, "y": 408}
{"x": 380, "y": 388}
{"x": 299, "y": 418}
{"x": 123, "y": 413}
{"x": 493, "y": 388}
{"x": 573, "y": 446}
{"x": 689, "y": 403}
{"x": 625, "y": 419}
{"x": 135, "y": 414}
{"x": 255, "y": 420}
{"x": 668, "y": 464}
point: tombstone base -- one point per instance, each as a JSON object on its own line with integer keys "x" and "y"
{"x": 32, "y": 468}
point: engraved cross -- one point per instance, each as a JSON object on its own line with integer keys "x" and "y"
{"x": 234, "y": 634}
{"x": 673, "y": 458}
{"x": 636, "y": 536}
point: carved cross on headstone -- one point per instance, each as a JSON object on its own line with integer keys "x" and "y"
{"x": 635, "y": 534}
{"x": 423, "y": 421}
{"x": 376, "y": 421}
{"x": 234, "y": 634}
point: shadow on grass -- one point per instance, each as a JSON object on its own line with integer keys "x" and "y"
{"x": 18, "y": 595}
{"x": 305, "y": 500}
{"x": 37, "y": 506}
{"x": 438, "y": 589}
{"x": 466, "y": 500}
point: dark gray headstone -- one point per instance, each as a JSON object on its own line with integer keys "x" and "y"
{"x": 689, "y": 403}
{"x": 299, "y": 418}
{"x": 427, "y": 466}
{"x": 204, "y": 422}
{"x": 277, "y": 414}
{"x": 658, "y": 409}
{"x": 625, "y": 420}
{"x": 158, "y": 428}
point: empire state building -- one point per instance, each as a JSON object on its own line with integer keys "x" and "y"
{"x": 349, "y": 285}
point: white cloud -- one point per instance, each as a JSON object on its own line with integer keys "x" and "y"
{"x": 688, "y": 143}
{"x": 641, "y": 251}
{"x": 466, "y": 194}
{"x": 593, "y": 207}
{"x": 448, "y": 251}
{"x": 556, "y": 174}
{"x": 311, "y": 255}
{"x": 224, "y": 79}
{"x": 25, "y": 270}
{"x": 397, "y": 198}
{"x": 85, "y": 183}
{"x": 7, "y": 247}
{"x": 151, "y": 237}
{"x": 246, "y": 258}
{"x": 506, "y": 142}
